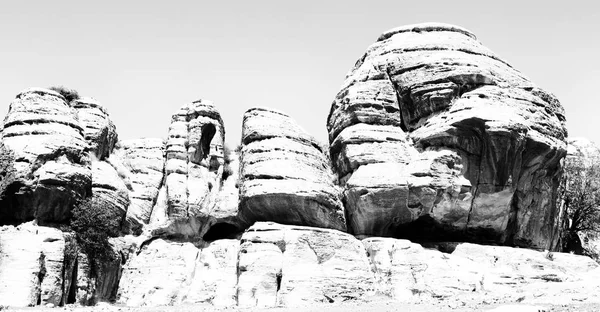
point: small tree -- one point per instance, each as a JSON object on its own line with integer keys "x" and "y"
{"x": 94, "y": 222}
{"x": 580, "y": 196}
{"x": 7, "y": 170}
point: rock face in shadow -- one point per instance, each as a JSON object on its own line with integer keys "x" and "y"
{"x": 285, "y": 176}
{"x": 487, "y": 142}
{"x": 109, "y": 191}
{"x": 52, "y": 167}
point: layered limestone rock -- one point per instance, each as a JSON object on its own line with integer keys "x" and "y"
{"x": 52, "y": 168}
{"x": 487, "y": 140}
{"x": 98, "y": 130}
{"x": 144, "y": 160}
{"x": 285, "y": 176}
{"x": 193, "y": 173}
{"x": 109, "y": 192}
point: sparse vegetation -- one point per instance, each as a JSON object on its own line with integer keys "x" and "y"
{"x": 69, "y": 94}
{"x": 580, "y": 195}
{"x": 7, "y": 170}
{"x": 93, "y": 223}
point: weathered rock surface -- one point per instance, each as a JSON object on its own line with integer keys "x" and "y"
{"x": 194, "y": 153}
{"x": 434, "y": 88}
{"x": 292, "y": 266}
{"x": 476, "y": 273}
{"x": 170, "y": 273}
{"x": 98, "y": 130}
{"x": 285, "y": 177}
{"x": 109, "y": 191}
{"x": 51, "y": 163}
{"x": 144, "y": 160}
{"x": 31, "y": 266}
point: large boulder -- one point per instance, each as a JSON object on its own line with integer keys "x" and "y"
{"x": 285, "y": 176}
{"x": 51, "y": 164}
{"x": 98, "y": 130}
{"x": 487, "y": 141}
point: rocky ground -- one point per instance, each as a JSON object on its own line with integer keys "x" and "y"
{"x": 383, "y": 307}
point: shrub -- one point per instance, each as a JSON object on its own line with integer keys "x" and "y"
{"x": 7, "y": 170}
{"x": 69, "y": 94}
{"x": 579, "y": 194}
{"x": 94, "y": 222}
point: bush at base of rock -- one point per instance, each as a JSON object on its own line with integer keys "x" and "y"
{"x": 93, "y": 224}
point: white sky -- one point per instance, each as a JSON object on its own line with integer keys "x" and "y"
{"x": 144, "y": 59}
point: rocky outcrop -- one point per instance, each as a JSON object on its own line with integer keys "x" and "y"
{"x": 194, "y": 153}
{"x": 109, "y": 191}
{"x": 144, "y": 161}
{"x": 32, "y": 265}
{"x": 50, "y": 160}
{"x": 295, "y": 266}
{"x": 171, "y": 273}
{"x": 475, "y": 273}
{"x": 98, "y": 130}
{"x": 489, "y": 142}
{"x": 285, "y": 176}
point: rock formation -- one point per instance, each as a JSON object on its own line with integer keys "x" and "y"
{"x": 488, "y": 142}
{"x": 50, "y": 159}
{"x": 435, "y": 144}
{"x": 98, "y": 130}
{"x": 284, "y": 174}
{"x": 143, "y": 159}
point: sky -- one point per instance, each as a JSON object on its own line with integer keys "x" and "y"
{"x": 144, "y": 59}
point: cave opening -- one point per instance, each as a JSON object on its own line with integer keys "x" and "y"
{"x": 221, "y": 230}
{"x": 203, "y": 149}
{"x": 429, "y": 233}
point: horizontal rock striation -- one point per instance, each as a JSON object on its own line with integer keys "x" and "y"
{"x": 488, "y": 140}
{"x": 285, "y": 176}
{"x": 98, "y": 130}
{"x": 194, "y": 153}
{"x": 109, "y": 192}
{"x": 52, "y": 167}
{"x": 144, "y": 161}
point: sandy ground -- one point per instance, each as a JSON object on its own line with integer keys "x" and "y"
{"x": 379, "y": 307}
